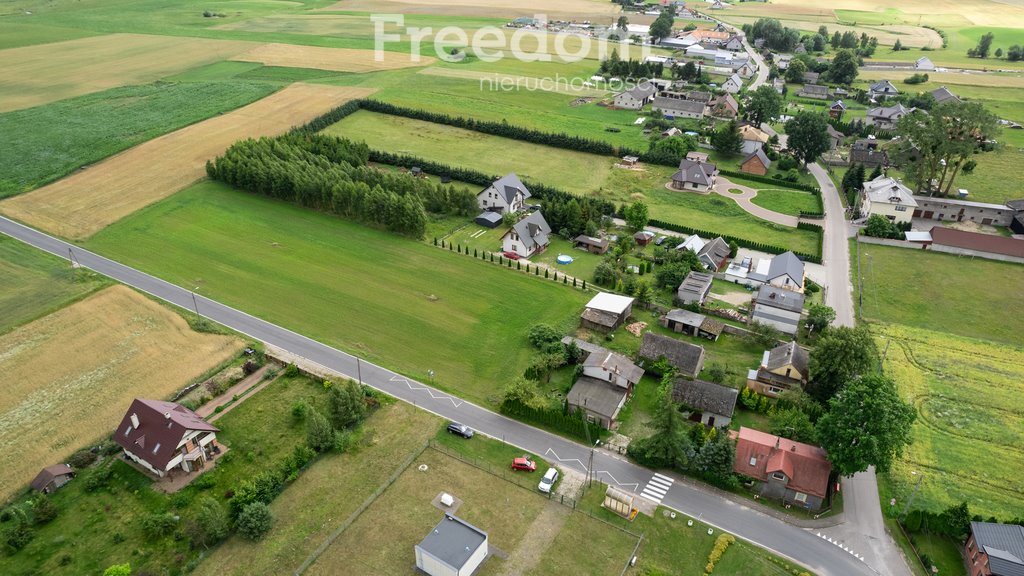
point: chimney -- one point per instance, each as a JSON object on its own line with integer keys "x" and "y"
{"x": 135, "y": 420}
{"x": 167, "y": 415}
{"x": 792, "y": 448}
{"x": 778, "y": 440}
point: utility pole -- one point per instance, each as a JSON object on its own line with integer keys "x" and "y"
{"x": 881, "y": 363}
{"x": 906, "y": 508}
{"x": 359, "y": 371}
{"x": 195, "y": 304}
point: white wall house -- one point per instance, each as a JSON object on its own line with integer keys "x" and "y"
{"x": 506, "y": 194}
{"x": 888, "y": 197}
{"x": 453, "y": 548}
{"x": 161, "y": 436}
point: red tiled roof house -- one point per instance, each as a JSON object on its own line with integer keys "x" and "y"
{"x": 161, "y": 436}
{"x": 793, "y": 472}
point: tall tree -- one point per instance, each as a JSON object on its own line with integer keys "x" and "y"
{"x": 837, "y": 39}
{"x": 347, "y": 404}
{"x": 819, "y": 317}
{"x": 728, "y": 139}
{"x": 867, "y": 424}
{"x": 808, "y": 136}
{"x": 716, "y": 457}
{"x": 765, "y": 105}
{"x": 792, "y": 423}
{"x": 843, "y": 69}
{"x": 983, "y": 47}
{"x": 623, "y": 22}
{"x": 840, "y": 355}
{"x": 636, "y": 215}
{"x": 669, "y": 446}
{"x": 662, "y": 26}
{"x": 795, "y": 72}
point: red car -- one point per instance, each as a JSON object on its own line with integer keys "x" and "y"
{"x": 524, "y": 464}
{"x": 510, "y": 255}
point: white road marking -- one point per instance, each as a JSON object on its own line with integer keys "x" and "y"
{"x": 427, "y": 390}
{"x": 657, "y": 487}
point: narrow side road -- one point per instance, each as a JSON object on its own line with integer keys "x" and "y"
{"x": 805, "y": 547}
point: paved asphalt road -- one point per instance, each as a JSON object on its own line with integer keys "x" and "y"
{"x": 802, "y": 546}
{"x": 863, "y": 527}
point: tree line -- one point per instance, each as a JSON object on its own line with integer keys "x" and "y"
{"x": 331, "y": 174}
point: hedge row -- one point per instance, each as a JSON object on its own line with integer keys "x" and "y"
{"x": 766, "y": 180}
{"x": 569, "y": 424}
{"x": 744, "y": 243}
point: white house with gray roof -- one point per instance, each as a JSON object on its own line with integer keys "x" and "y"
{"x": 733, "y": 85}
{"x": 777, "y": 307}
{"x": 695, "y": 175}
{"x": 637, "y": 97}
{"x": 506, "y": 194}
{"x": 678, "y": 107}
{"x": 882, "y": 90}
{"x": 613, "y": 368}
{"x": 453, "y": 548}
{"x": 787, "y": 271}
{"x": 886, "y": 117}
{"x": 527, "y": 237}
{"x": 888, "y": 197}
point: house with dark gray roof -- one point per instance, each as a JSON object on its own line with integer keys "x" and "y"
{"x": 814, "y": 91}
{"x": 453, "y": 548}
{"x": 782, "y": 368}
{"x": 882, "y": 90}
{"x": 488, "y": 219}
{"x": 777, "y": 307}
{"x": 686, "y": 358}
{"x": 867, "y": 152}
{"x": 711, "y": 404}
{"x": 886, "y": 117}
{"x": 506, "y": 194}
{"x": 636, "y": 97}
{"x": 694, "y": 175}
{"x": 942, "y": 94}
{"x": 835, "y": 137}
{"x": 599, "y": 400}
{"x": 678, "y": 107}
{"x": 811, "y": 77}
{"x": 714, "y": 254}
{"x": 527, "y": 237}
{"x": 694, "y": 288}
{"x": 787, "y": 271}
{"x": 995, "y": 549}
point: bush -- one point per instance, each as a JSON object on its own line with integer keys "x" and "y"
{"x": 17, "y": 536}
{"x": 542, "y": 335}
{"x": 210, "y": 524}
{"x": 82, "y": 459}
{"x": 254, "y": 521}
{"x": 721, "y": 545}
{"x": 97, "y": 478}
{"x": 43, "y": 510}
{"x": 157, "y": 525}
{"x": 118, "y": 570}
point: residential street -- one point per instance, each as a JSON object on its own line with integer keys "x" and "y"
{"x": 804, "y": 546}
{"x": 863, "y": 526}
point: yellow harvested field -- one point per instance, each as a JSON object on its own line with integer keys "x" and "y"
{"x": 1000, "y": 13}
{"x": 593, "y": 10}
{"x": 335, "y": 59}
{"x": 69, "y": 376}
{"x": 89, "y": 200}
{"x": 34, "y": 75}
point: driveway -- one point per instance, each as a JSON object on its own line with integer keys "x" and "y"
{"x": 722, "y": 187}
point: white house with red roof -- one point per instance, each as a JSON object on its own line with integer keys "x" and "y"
{"x": 161, "y": 436}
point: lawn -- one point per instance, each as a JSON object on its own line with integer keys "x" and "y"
{"x": 324, "y": 277}
{"x": 71, "y": 374}
{"x": 785, "y": 201}
{"x": 572, "y": 171}
{"x": 942, "y": 292}
{"x": 34, "y": 283}
{"x": 337, "y": 483}
{"x": 55, "y": 139}
{"x": 967, "y": 394}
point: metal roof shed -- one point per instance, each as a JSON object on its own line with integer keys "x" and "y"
{"x": 453, "y": 548}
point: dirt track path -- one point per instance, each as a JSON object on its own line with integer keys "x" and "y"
{"x": 539, "y": 536}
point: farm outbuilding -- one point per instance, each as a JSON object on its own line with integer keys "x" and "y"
{"x": 488, "y": 219}
{"x": 453, "y": 548}
{"x": 52, "y": 478}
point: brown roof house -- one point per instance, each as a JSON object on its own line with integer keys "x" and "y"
{"x": 692, "y": 324}
{"x": 782, "y": 368}
{"x": 52, "y": 477}
{"x": 995, "y": 549}
{"x": 710, "y": 404}
{"x": 591, "y": 244}
{"x": 793, "y": 472}
{"x": 161, "y": 436}
{"x": 756, "y": 162}
{"x": 686, "y": 358}
{"x": 606, "y": 312}
{"x": 725, "y": 106}
{"x": 605, "y": 385}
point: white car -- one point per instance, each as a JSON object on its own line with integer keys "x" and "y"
{"x": 549, "y": 479}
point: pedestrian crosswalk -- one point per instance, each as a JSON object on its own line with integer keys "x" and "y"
{"x": 657, "y": 487}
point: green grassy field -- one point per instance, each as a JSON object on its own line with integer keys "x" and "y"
{"x": 401, "y": 303}
{"x": 34, "y": 283}
{"x": 790, "y": 202}
{"x": 941, "y": 292}
{"x": 969, "y": 432}
{"x": 571, "y": 171}
{"x": 55, "y": 139}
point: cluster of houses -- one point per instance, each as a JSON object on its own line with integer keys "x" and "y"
{"x": 530, "y": 234}
{"x": 679, "y": 104}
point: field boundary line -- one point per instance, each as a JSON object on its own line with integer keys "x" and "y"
{"x": 362, "y": 508}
